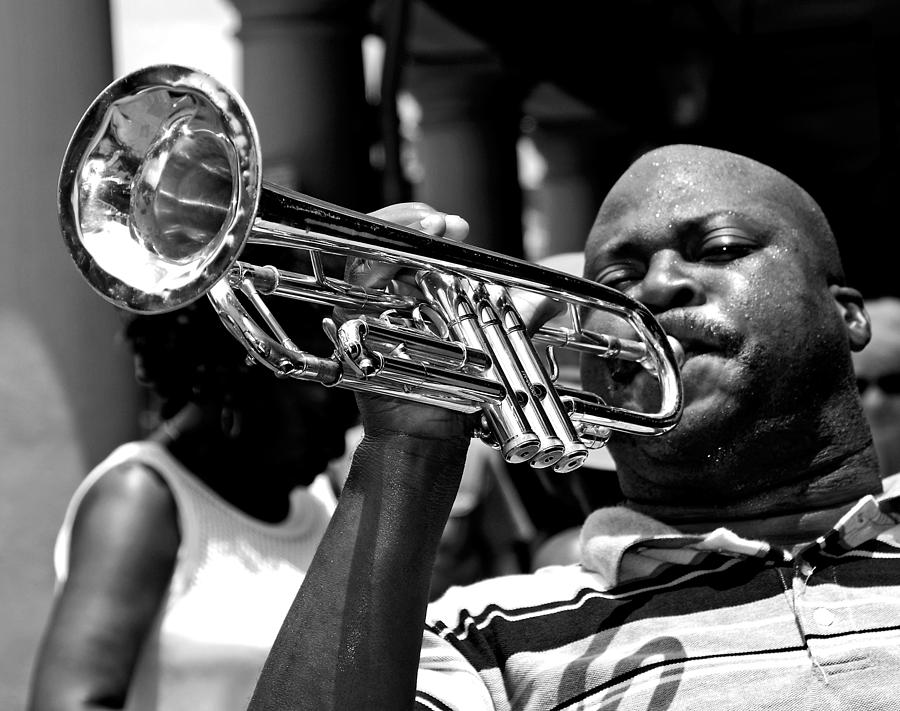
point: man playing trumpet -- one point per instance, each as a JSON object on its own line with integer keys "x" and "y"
{"x": 754, "y": 563}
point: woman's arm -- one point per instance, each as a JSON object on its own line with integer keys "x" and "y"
{"x": 122, "y": 554}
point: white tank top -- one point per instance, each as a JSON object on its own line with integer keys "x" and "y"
{"x": 234, "y": 579}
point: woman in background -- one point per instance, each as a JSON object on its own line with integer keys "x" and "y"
{"x": 180, "y": 553}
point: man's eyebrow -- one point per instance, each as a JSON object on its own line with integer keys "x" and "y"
{"x": 759, "y": 226}
{"x": 699, "y": 226}
{"x": 634, "y": 243}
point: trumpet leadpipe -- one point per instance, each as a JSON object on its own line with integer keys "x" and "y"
{"x": 592, "y": 343}
{"x": 603, "y": 345}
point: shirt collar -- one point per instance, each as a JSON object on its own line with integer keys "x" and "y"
{"x": 631, "y": 552}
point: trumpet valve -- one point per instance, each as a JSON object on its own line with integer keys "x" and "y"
{"x": 353, "y": 350}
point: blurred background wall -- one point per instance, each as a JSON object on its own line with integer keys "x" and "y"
{"x": 67, "y": 395}
{"x": 200, "y": 34}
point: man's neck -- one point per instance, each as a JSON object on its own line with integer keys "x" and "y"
{"x": 811, "y": 503}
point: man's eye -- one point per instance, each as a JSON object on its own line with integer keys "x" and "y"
{"x": 724, "y": 245}
{"x": 620, "y": 276}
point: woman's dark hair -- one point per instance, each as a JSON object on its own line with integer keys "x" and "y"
{"x": 188, "y": 355}
{"x": 184, "y": 355}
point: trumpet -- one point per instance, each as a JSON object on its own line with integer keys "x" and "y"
{"x": 161, "y": 190}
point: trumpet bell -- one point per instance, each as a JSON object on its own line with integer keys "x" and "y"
{"x": 159, "y": 188}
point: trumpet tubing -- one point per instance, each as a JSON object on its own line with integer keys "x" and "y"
{"x": 161, "y": 189}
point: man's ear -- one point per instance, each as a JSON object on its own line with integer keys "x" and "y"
{"x": 852, "y": 308}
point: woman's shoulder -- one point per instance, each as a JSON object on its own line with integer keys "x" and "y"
{"x": 126, "y": 482}
{"x": 129, "y": 486}
{"x": 125, "y": 503}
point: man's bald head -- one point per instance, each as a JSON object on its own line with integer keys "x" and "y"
{"x": 661, "y": 174}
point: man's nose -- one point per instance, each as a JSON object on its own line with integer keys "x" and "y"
{"x": 668, "y": 283}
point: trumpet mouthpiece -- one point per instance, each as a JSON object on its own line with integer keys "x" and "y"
{"x": 677, "y": 349}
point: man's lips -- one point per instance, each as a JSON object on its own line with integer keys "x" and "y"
{"x": 699, "y": 336}
{"x": 695, "y": 348}
{"x": 694, "y": 340}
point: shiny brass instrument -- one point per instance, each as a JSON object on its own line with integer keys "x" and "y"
{"x": 161, "y": 190}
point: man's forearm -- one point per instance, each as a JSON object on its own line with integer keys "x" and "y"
{"x": 352, "y": 637}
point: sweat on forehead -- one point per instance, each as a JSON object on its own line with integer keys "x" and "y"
{"x": 671, "y": 172}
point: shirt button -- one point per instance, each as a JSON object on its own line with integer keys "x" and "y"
{"x": 823, "y": 617}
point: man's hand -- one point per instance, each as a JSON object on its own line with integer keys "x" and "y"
{"x": 418, "y": 216}
{"x": 385, "y": 416}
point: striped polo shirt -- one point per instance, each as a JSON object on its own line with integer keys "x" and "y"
{"x": 654, "y": 619}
